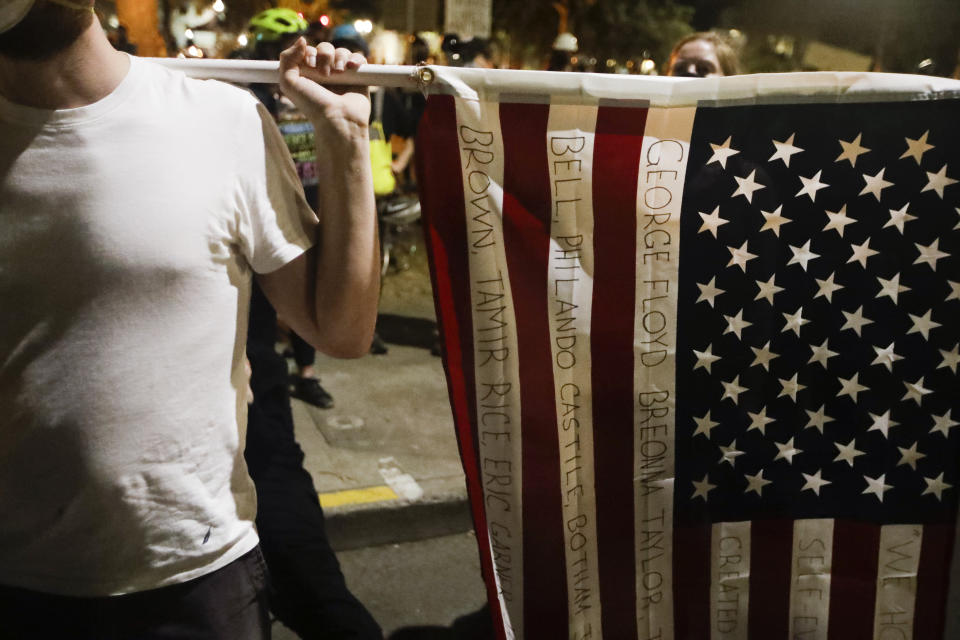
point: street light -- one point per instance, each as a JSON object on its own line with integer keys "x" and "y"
{"x": 363, "y": 27}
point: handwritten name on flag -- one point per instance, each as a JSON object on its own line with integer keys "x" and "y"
{"x": 701, "y": 340}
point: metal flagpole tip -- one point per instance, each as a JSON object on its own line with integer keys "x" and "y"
{"x": 12, "y": 12}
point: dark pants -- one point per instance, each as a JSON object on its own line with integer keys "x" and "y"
{"x": 303, "y": 353}
{"x": 228, "y": 604}
{"x": 307, "y": 588}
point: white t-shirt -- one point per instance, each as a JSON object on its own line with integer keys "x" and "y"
{"x": 129, "y": 230}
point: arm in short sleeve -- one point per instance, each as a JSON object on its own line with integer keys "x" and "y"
{"x": 277, "y": 224}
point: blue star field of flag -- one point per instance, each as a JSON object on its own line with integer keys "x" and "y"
{"x": 818, "y": 365}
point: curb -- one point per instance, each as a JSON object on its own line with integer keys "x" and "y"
{"x": 395, "y": 521}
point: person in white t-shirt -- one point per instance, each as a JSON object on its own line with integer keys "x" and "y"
{"x": 136, "y": 207}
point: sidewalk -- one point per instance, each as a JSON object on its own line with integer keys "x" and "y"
{"x": 385, "y": 458}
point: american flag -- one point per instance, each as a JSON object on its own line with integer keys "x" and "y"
{"x": 703, "y": 350}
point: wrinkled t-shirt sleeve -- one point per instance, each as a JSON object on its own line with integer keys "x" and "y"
{"x": 276, "y": 225}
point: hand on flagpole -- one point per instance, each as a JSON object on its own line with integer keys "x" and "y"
{"x": 303, "y": 68}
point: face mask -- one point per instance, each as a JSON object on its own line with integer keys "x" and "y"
{"x": 12, "y": 12}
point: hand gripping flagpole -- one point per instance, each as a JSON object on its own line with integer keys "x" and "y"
{"x": 268, "y": 72}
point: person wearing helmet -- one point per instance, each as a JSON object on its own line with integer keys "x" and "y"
{"x": 126, "y": 508}
{"x": 309, "y": 593}
{"x": 274, "y": 30}
{"x": 347, "y": 36}
{"x": 564, "y": 48}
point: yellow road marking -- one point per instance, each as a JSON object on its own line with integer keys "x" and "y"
{"x": 357, "y": 496}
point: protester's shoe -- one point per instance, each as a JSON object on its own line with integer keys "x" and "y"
{"x": 378, "y": 347}
{"x": 310, "y": 391}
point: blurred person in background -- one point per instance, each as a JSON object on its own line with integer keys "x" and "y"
{"x": 273, "y": 31}
{"x": 703, "y": 55}
{"x": 308, "y": 591}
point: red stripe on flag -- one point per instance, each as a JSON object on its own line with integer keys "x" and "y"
{"x": 853, "y": 580}
{"x": 616, "y": 165}
{"x": 771, "y": 561}
{"x": 691, "y": 582}
{"x": 526, "y": 232}
{"x": 441, "y": 197}
{"x": 933, "y": 581}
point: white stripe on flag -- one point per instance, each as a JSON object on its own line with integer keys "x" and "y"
{"x": 663, "y": 166}
{"x": 810, "y": 579}
{"x": 729, "y": 580}
{"x": 897, "y": 565}
{"x": 495, "y": 350}
{"x": 570, "y": 134}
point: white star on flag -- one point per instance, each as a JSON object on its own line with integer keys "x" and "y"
{"x": 861, "y": 252}
{"x": 855, "y": 320}
{"x": 721, "y": 152}
{"x": 740, "y": 257}
{"x": 709, "y": 291}
{"x": 922, "y": 324}
{"x": 899, "y": 217}
{"x": 763, "y": 356}
{"x": 818, "y": 419}
{"x": 950, "y": 358}
{"x": 746, "y": 186}
{"x": 954, "y": 291}
{"x": 702, "y": 488}
{"x": 943, "y": 424}
{"x": 794, "y": 321}
{"x": 916, "y": 148}
{"x": 930, "y": 254}
{"x": 891, "y": 288}
{"x": 826, "y": 288}
{"x": 851, "y": 387}
{"x": 936, "y": 486}
{"x": 882, "y": 423}
{"x": 768, "y": 289}
{"x": 851, "y": 151}
{"x": 732, "y": 390}
{"x": 729, "y": 454}
{"x": 915, "y": 391}
{"x": 875, "y": 184}
{"x": 815, "y": 482}
{"x": 705, "y": 358}
{"x": 802, "y": 255}
{"x": 759, "y": 421}
{"x": 736, "y": 324}
{"x": 910, "y": 456}
{"x": 773, "y": 221}
{"x": 811, "y": 186}
{"x": 783, "y": 150}
{"x": 712, "y": 222}
{"x": 821, "y": 354}
{"x": 756, "y": 483}
{"x": 787, "y": 451}
{"x": 847, "y": 452}
{"x": 886, "y": 357}
{"x": 938, "y": 181}
{"x": 790, "y": 387}
{"x": 877, "y": 486}
{"x": 704, "y": 425}
{"x": 838, "y": 220}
